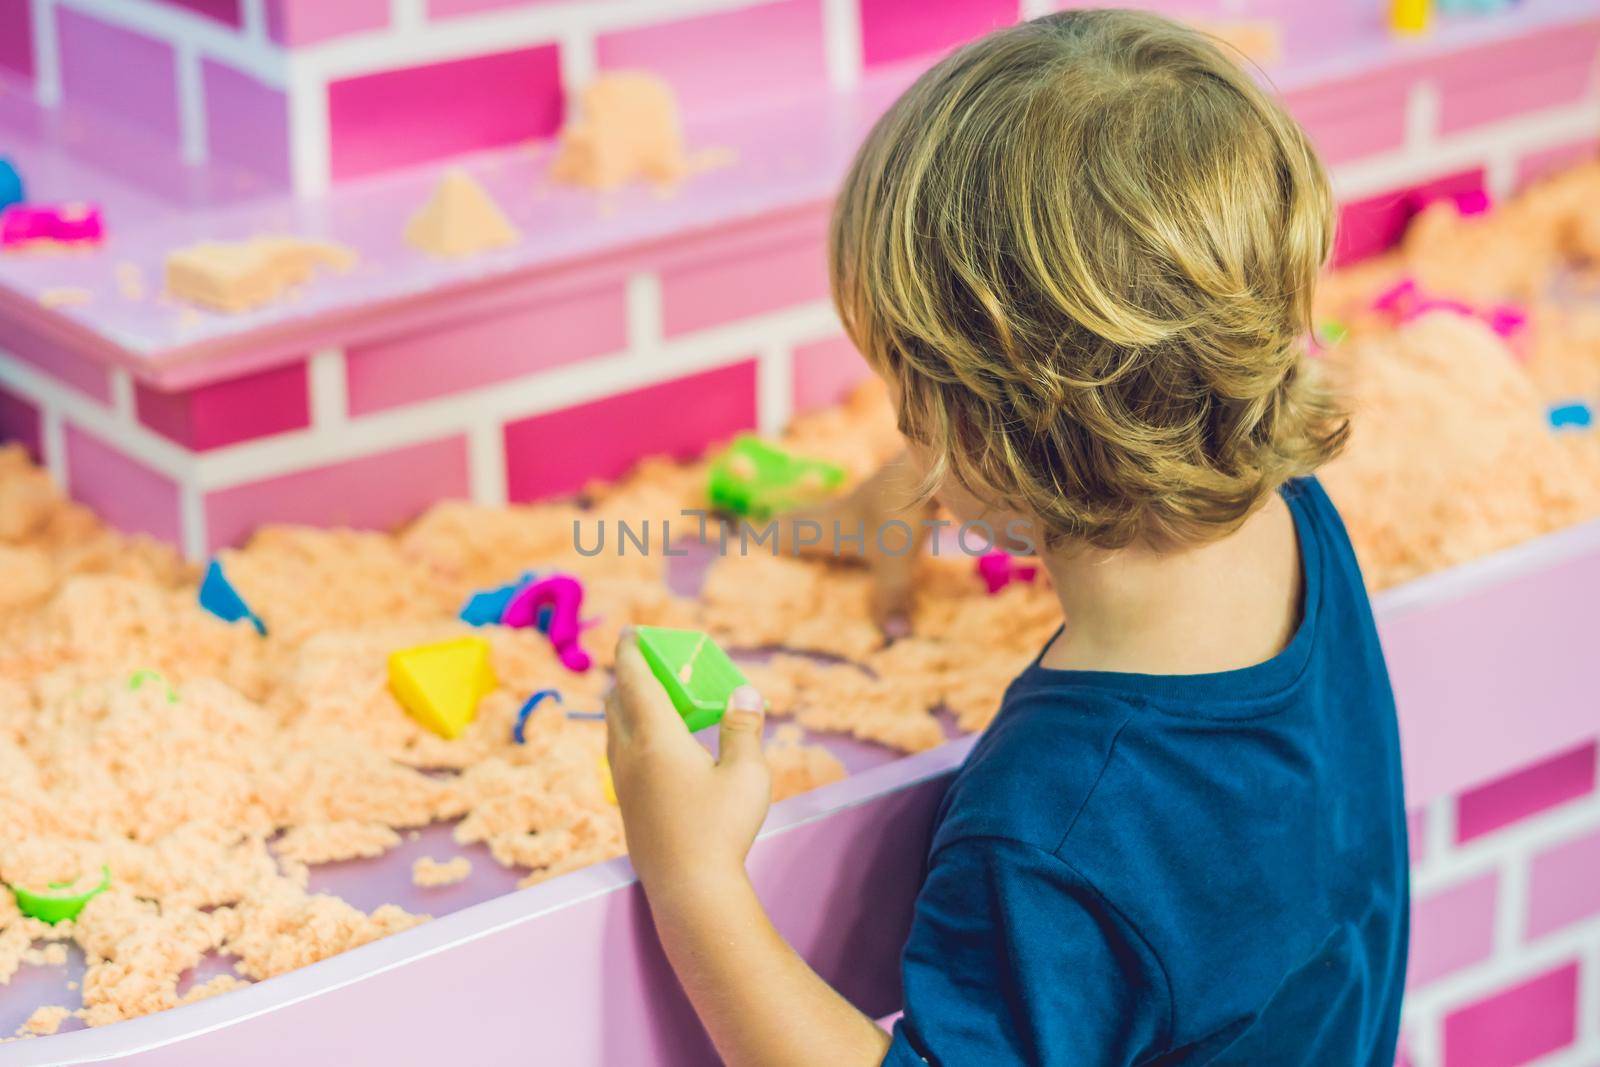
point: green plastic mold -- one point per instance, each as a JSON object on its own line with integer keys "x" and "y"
{"x": 58, "y": 901}
{"x": 755, "y": 479}
{"x": 697, "y": 675}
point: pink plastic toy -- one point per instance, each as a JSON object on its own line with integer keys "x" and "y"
{"x": 1405, "y": 300}
{"x": 563, "y": 594}
{"x": 998, "y": 570}
{"x": 72, "y": 223}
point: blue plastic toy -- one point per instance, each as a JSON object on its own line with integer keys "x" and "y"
{"x": 1575, "y": 415}
{"x": 518, "y": 733}
{"x": 485, "y": 607}
{"x": 218, "y": 596}
{"x": 11, "y": 188}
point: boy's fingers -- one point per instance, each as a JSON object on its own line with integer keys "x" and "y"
{"x": 639, "y": 703}
{"x": 739, "y": 740}
{"x": 893, "y": 590}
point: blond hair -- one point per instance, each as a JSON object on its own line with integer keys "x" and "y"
{"x": 1082, "y": 250}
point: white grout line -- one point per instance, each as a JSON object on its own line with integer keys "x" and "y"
{"x": 408, "y": 15}
{"x": 122, "y": 398}
{"x": 53, "y": 443}
{"x": 535, "y": 394}
{"x": 644, "y": 315}
{"x": 580, "y": 61}
{"x": 1422, "y": 116}
{"x": 179, "y": 27}
{"x": 1032, "y": 9}
{"x": 1500, "y": 175}
{"x": 486, "y": 458}
{"x": 192, "y": 520}
{"x": 46, "y": 54}
{"x": 774, "y": 388}
{"x": 253, "y": 21}
{"x": 841, "y": 38}
{"x": 310, "y": 151}
{"x": 329, "y": 388}
{"x": 1424, "y": 1038}
{"x": 1497, "y": 973}
{"x": 1511, "y": 904}
{"x": 1528, "y": 838}
{"x": 191, "y": 105}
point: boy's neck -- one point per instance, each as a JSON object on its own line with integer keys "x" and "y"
{"x": 1220, "y": 606}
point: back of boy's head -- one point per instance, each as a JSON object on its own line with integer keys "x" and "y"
{"x": 1082, "y": 250}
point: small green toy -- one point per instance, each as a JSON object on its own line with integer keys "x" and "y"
{"x": 1332, "y": 332}
{"x": 697, "y": 675}
{"x": 58, "y": 901}
{"x": 755, "y": 479}
{"x": 139, "y": 677}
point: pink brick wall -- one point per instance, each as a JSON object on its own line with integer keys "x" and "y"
{"x": 728, "y": 57}
{"x": 1356, "y": 117}
{"x": 69, "y": 368}
{"x": 224, "y": 11}
{"x": 1538, "y": 71}
{"x": 484, "y": 349}
{"x": 1564, "y": 885}
{"x": 374, "y": 492}
{"x": 825, "y": 372}
{"x": 299, "y": 22}
{"x": 399, "y": 117}
{"x": 16, "y": 38}
{"x": 892, "y": 30}
{"x": 118, "y": 73}
{"x": 726, "y": 280}
{"x": 19, "y": 422}
{"x": 1516, "y": 1026}
{"x": 123, "y": 491}
{"x": 247, "y": 123}
{"x": 1367, "y": 227}
{"x": 559, "y": 453}
{"x": 227, "y": 412}
{"x": 1526, "y": 793}
{"x": 1451, "y": 929}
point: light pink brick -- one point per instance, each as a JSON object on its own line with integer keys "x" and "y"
{"x": 1451, "y": 929}
{"x": 892, "y": 30}
{"x": 825, "y": 372}
{"x": 247, "y": 122}
{"x": 447, "y": 8}
{"x": 1564, "y": 885}
{"x": 721, "y": 284}
{"x": 1509, "y": 78}
{"x": 483, "y": 349}
{"x": 1517, "y": 1025}
{"x": 62, "y": 364}
{"x": 1355, "y": 117}
{"x": 1527, "y": 792}
{"x": 1417, "y": 834}
{"x": 19, "y": 423}
{"x": 298, "y": 22}
{"x": 16, "y": 38}
{"x": 400, "y": 117}
{"x": 559, "y": 453}
{"x": 374, "y": 492}
{"x": 224, "y": 11}
{"x": 118, "y": 73}
{"x": 230, "y": 411}
{"x": 121, "y": 490}
{"x": 1537, "y": 165}
{"x": 1367, "y": 227}
{"x": 737, "y": 55}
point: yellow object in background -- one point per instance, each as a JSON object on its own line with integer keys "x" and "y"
{"x": 1410, "y": 16}
{"x": 605, "y": 780}
{"x": 440, "y": 685}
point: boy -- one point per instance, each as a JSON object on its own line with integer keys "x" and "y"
{"x": 1081, "y": 252}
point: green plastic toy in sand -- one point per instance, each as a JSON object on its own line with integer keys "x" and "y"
{"x": 61, "y": 900}
{"x": 755, "y": 479}
{"x": 697, "y": 675}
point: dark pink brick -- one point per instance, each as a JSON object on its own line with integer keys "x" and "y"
{"x": 1509, "y": 78}
{"x": 1518, "y": 1025}
{"x": 1527, "y": 792}
{"x": 825, "y": 372}
{"x": 893, "y": 30}
{"x": 65, "y": 366}
{"x": 19, "y": 422}
{"x": 118, "y": 73}
{"x": 121, "y": 490}
{"x": 1373, "y": 225}
{"x": 1451, "y": 929}
{"x": 224, "y": 11}
{"x": 1355, "y": 117}
{"x": 374, "y": 492}
{"x": 16, "y": 37}
{"x": 761, "y": 50}
{"x": 716, "y": 283}
{"x": 297, "y": 22}
{"x": 484, "y": 349}
{"x": 400, "y": 117}
{"x": 227, "y": 412}
{"x": 559, "y": 453}
{"x": 1564, "y": 885}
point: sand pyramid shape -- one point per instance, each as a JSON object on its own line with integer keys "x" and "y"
{"x": 440, "y": 684}
{"x": 459, "y": 219}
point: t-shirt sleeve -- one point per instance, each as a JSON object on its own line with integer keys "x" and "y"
{"x": 1014, "y": 958}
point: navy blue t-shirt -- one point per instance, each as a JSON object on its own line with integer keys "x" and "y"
{"x": 1179, "y": 869}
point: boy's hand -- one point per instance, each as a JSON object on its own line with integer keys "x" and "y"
{"x": 689, "y": 819}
